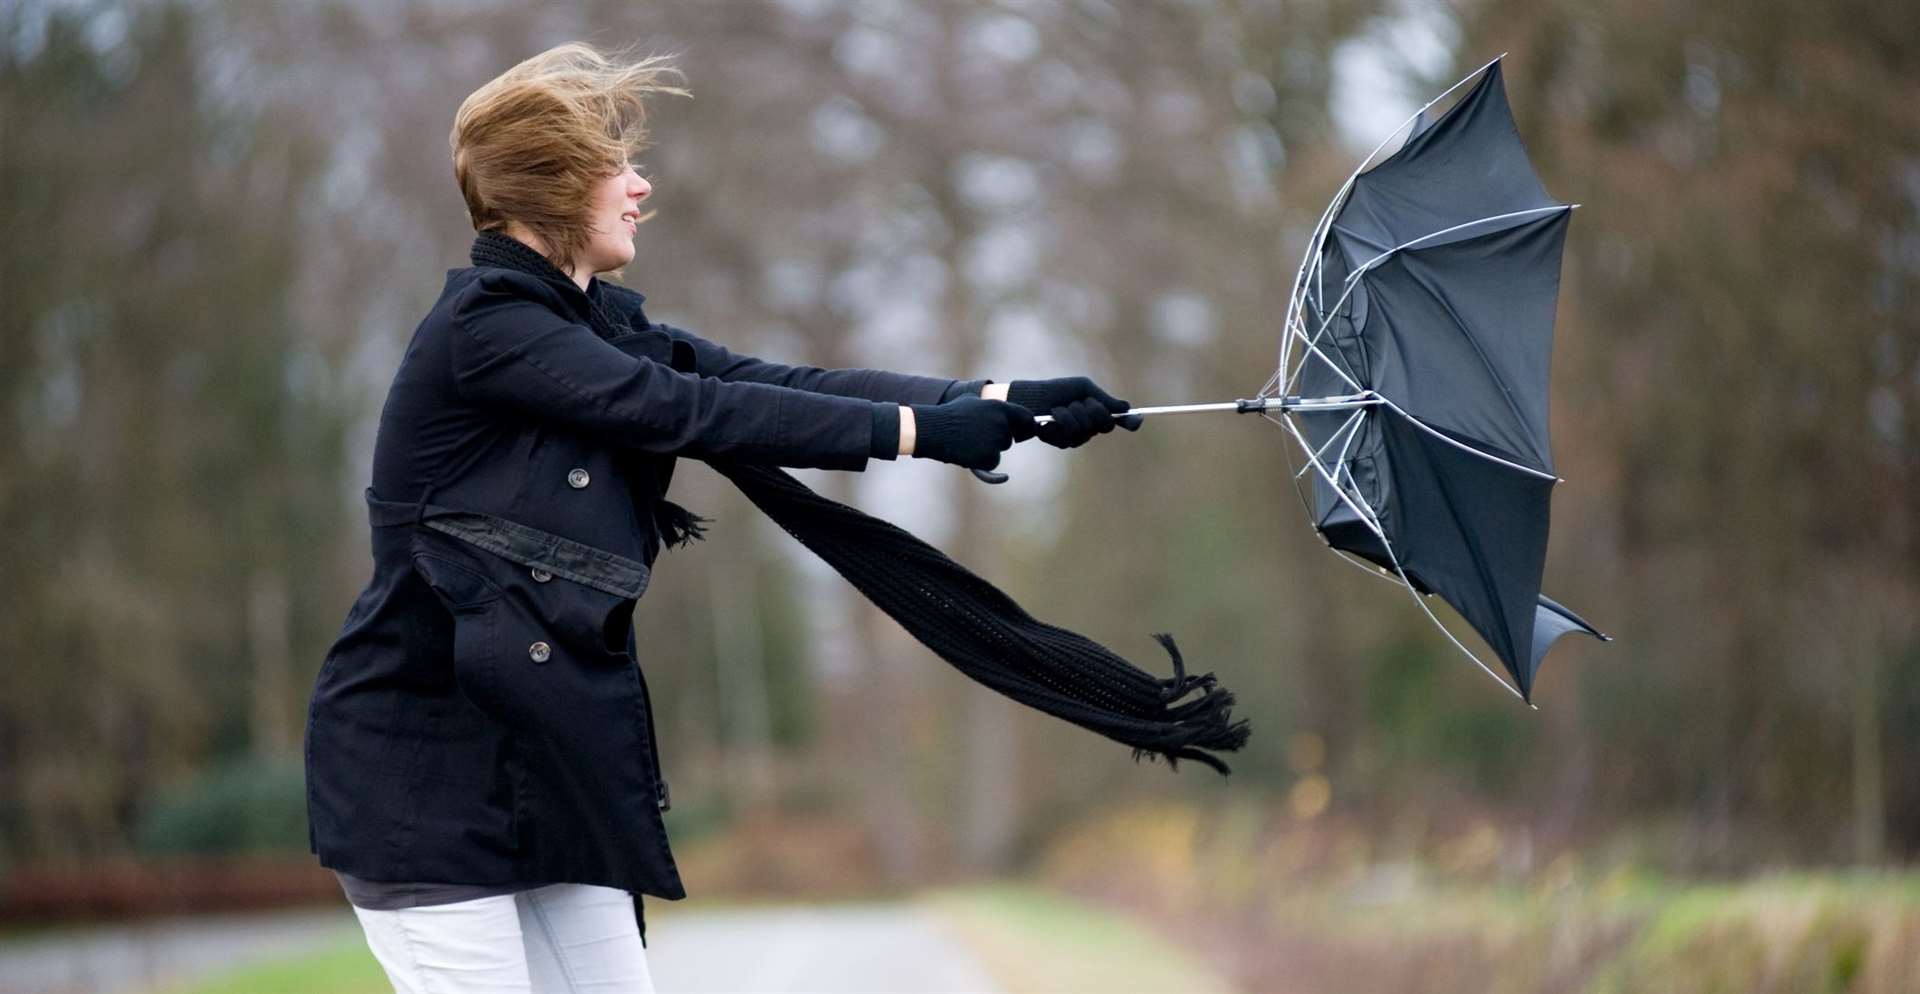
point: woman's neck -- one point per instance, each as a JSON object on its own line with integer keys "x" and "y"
{"x": 521, "y": 234}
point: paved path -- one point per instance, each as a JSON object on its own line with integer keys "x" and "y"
{"x": 112, "y": 959}
{"x": 855, "y": 949}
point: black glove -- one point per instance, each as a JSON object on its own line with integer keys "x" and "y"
{"x": 969, "y": 431}
{"x": 1079, "y": 408}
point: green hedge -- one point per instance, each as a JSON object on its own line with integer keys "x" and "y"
{"x": 242, "y": 806}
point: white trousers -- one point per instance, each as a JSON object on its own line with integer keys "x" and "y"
{"x": 558, "y": 939}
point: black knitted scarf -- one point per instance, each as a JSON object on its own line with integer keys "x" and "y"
{"x": 964, "y": 619}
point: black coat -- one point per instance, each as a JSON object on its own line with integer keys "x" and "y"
{"x": 483, "y": 715}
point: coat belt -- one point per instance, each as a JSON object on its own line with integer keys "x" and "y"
{"x": 523, "y": 544}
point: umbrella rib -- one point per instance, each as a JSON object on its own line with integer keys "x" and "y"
{"x": 1281, "y": 420}
{"x": 1362, "y": 239}
{"x": 1311, "y": 346}
{"x": 1374, "y": 570}
{"x": 1376, "y": 260}
{"x": 1372, "y": 521}
{"x": 1344, "y": 426}
{"x": 1464, "y": 447}
{"x": 1346, "y": 447}
{"x": 1484, "y": 668}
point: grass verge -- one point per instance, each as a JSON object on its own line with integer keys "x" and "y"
{"x": 345, "y": 967}
{"x": 1034, "y": 941}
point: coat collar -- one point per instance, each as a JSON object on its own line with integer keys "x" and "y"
{"x": 503, "y": 251}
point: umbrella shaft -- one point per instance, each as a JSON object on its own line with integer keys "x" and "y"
{"x": 1253, "y": 406}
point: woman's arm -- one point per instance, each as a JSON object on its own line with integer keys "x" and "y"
{"x": 510, "y": 350}
{"x": 718, "y": 361}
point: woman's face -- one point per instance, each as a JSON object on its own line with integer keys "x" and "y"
{"x": 615, "y": 209}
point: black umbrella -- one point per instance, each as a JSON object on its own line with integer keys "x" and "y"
{"x": 1427, "y": 302}
{"x": 1413, "y": 372}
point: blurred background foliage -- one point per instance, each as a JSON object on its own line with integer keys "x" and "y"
{"x": 226, "y": 218}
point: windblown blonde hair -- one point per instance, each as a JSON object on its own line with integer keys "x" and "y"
{"x": 530, "y": 145}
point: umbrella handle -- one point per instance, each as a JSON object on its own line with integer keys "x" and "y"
{"x": 1251, "y": 405}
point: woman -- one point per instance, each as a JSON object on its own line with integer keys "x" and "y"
{"x": 481, "y": 766}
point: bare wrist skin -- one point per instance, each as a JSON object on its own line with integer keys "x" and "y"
{"x": 995, "y": 391}
{"x": 906, "y": 430}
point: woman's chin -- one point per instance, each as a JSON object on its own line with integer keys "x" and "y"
{"x": 612, "y": 260}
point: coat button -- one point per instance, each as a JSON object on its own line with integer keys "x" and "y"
{"x": 540, "y": 575}
{"x": 539, "y": 652}
{"x": 577, "y": 478}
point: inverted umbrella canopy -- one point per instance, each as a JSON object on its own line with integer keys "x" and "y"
{"x": 1422, "y": 323}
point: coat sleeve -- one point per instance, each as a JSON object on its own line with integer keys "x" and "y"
{"x": 716, "y": 360}
{"x": 513, "y": 352}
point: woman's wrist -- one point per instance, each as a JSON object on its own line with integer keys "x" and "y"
{"x": 989, "y": 391}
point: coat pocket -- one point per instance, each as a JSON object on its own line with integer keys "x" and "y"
{"x": 530, "y": 647}
{"x": 459, "y": 586}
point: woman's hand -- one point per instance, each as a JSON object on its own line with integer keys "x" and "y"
{"x": 1079, "y": 408}
{"x": 966, "y": 431}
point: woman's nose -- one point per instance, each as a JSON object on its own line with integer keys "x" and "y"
{"x": 640, "y": 187}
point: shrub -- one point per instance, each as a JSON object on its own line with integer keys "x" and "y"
{"x": 242, "y": 806}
